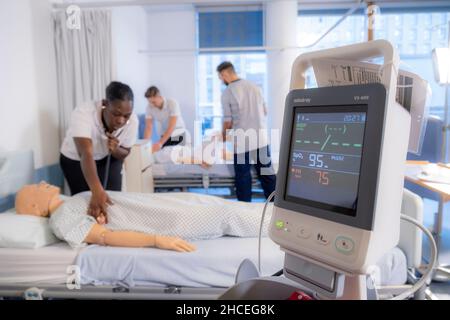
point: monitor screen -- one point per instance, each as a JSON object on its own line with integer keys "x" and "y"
{"x": 325, "y": 157}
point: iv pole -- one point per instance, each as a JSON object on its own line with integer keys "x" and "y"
{"x": 444, "y": 149}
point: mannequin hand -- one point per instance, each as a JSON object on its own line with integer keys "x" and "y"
{"x": 98, "y": 205}
{"x": 101, "y": 219}
{"x": 156, "y": 147}
{"x": 173, "y": 243}
{"x": 205, "y": 165}
{"x": 113, "y": 142}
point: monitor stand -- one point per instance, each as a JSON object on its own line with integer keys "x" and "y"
{"x": 326, "y": 283}
{"x": 300, "y": 275}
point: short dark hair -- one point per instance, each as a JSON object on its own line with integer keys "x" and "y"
{"x": 224, "y": 66}
{"x": 119, "y": 91}
{"x": 152, "y": 92}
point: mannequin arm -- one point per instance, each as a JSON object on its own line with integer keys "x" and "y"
{"x": 103, "y": 236}
{"x": 192, "y": 160}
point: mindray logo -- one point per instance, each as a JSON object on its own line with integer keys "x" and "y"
{"x": 302, "y": 100}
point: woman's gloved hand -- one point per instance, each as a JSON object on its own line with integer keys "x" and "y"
{"x": 173, "y": 243}
{"x": 98, "y": 206}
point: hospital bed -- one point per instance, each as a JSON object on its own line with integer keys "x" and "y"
{"x": 94, "y": 272}
{"x": 143, "y": 174}
{"x": 128, "y": 273}
{"x": 57, "y": 270}
{"x": 166, "y": 176}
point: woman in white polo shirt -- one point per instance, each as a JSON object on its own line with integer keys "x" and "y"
{"x": 96, "y": 131}
{"x": 167, "y": 115}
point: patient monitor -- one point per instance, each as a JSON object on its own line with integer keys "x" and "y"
{"x": 340, "y": 180}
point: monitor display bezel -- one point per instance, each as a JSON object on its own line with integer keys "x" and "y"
{"x": 372, "y": 95}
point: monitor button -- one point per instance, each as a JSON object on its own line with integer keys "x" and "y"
{"x": 322, "y": 239}
{"x": 279, "y": 224}
{"x": 304, "y": 232}
{"x": 344, "y": 245}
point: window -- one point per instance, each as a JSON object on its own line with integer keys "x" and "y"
{"x": 351, "y": 30}
{"x": 250, "y": 66}
{"x": 417, "y": 38}
{"x": 228, "y": 30}
{"x": 414, "y": 34}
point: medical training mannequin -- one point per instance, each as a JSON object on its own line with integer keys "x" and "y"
{"x": 212, "y": 151}
{"x": 138, "y": 220}
{"x": 43, "y": 199}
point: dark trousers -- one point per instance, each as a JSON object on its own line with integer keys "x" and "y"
{"x": 260, "y": 159}
{"x": 75, "y": 178}
{"x": 173, "y": 141}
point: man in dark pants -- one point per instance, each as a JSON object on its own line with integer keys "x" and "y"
{"x": 245, "y": 115}
{"x": 260, "y": 159}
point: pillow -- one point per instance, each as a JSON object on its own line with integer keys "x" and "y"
{"x": 25, "y": 231}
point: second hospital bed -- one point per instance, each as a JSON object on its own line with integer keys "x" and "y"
{"x": 145, "y": 172}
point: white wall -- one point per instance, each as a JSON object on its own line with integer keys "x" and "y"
{"x": 130, "y": 36}
{"x": 172, "y": 61}
{"x": 281, "y": 32}
{"x": 28, "y": 111}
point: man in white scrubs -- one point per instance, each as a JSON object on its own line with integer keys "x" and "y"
{"x": 100, "y": 133}
{"x": 245, "y": 114}
{"x": 167, "y": 115}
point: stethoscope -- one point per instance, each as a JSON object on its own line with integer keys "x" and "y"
{"x": 108, "y": 160}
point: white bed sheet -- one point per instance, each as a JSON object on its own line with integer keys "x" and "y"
{"x": 43, "y": 265}
{"x": 214, "y": 264}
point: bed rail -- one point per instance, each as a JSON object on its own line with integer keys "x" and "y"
{"x": 37, "y": 292}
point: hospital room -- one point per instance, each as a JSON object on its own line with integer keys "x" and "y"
{"x": 214, "y": 151}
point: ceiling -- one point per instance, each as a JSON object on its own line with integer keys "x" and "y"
{"x": 316, "y": 4}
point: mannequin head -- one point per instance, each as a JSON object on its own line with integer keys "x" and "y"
{"x": 38, "y": 199}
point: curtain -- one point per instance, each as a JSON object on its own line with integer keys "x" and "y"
{"x": 83, "y": 59}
